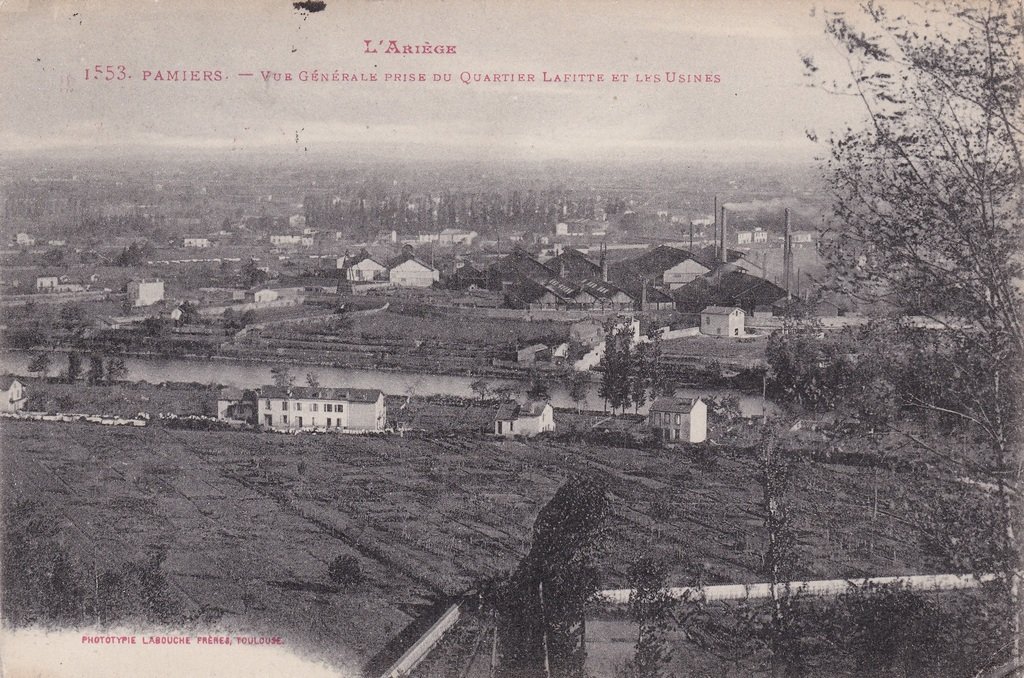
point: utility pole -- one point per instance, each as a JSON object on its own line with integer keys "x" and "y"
{"x": 544, "y": 626}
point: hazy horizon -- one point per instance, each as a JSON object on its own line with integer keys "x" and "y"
{"x": 760, "y": 109}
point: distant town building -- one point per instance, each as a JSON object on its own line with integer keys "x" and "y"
{"x": 233, "y": 405}
{"x": 760, "y": 235}
{"x": 802, "y": 237}
{"x": 722, "y": 321}
{"x": 145, "y": 292}
{"x": 344, "y": 410}
{"x": 528, "y": 419}
{"x": 297, "y": 221}
{"x": 531, "y": 354}
{"x": 25, "y": 239}
{"x": 366, "y": 269}
{"x": 744, "y": 237}
{"x": 285, "y": 240}
{"x": 201, "y": 243}
{"x": 46, "y": 283}
{"x": 56, "y": 243}
{"x": 12, "y": 394}
{"x": 413, "y": 273}
{"x": 679, "y": 419}
{"x": 262, "y": 295}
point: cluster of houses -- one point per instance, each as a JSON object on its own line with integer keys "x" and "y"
{"x": 359, "y": 410}
{"x": 355, "y": 410}
{"x": 406, "y": 270}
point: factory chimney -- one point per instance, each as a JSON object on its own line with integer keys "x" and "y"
{"x": 724, "y": 249}
{"x": 787, "y": 258}
{"x": 604, "y": 263}
{"x": 716, "y": 226}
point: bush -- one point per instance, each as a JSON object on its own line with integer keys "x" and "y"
{"x": 345, "y": 571}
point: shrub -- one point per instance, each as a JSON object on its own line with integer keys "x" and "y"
{"x": 345, "y": 571}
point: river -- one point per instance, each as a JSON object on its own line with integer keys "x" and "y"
{"x": 251, "y": 375}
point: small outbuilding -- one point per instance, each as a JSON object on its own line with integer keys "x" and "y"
{"x": 528, "y": 419}
{"x": 723, "y": 321}
{"x": 12, "y": 394}
{"x": 679, "y": 420}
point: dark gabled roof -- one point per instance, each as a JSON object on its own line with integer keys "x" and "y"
{"x": 680, "y": 405}
{"x": 511, "y": 411}
{"x": 599, "y": 288}
{"x": 6, "y": 381}
{"x": 721, "y": 310}
{"x": 519, "y": 264}
{"x": 733, "y": 288}
{"x": 651, "y": 264}
{"x": 571, "y": 264}
{"x": 352, "y": 395}
{"x": 507, "y": 412}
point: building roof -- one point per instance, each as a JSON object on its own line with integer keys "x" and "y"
{"x": 733, "y": 288}
{"x": 680, "y": 405}
{"x": 600, "y": 289}
{"x": 721, "y": 310}
{"x": 405, "y": 259}
{"x": 516, "y": 266}
{"x": 6, "y": 381}
{"x": 353, "y": 395}
{"x": 571, "y": 264}
{"x": 511, "y": 411}
{"x": 651, "y": 264}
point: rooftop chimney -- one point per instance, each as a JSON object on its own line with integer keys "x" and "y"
{"x": 724, "y": 250}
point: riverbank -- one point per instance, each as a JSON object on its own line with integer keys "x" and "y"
{"x": 256, "y": 373}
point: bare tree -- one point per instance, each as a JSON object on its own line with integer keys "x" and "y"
{"x": 927, "y": 212}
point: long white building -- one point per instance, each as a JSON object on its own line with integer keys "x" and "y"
{"x": 345, "y": 410}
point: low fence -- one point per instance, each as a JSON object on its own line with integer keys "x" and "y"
{"x": 105, "y": 420}
{"x": 422, "y": 647}
{"x": 822, "y": 587}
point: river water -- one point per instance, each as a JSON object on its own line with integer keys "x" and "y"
{"x": 250, "y": 375}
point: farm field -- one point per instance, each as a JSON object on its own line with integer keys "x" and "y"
{"x": 251, "y": 521}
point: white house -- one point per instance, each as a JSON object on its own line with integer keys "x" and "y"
{"x": 343, "y": 410}
{"x": 679, "y": 419}
{"x": 366, "y": 269}
{"x": 413, "y": 273}
{"x": 760, "y": 235}
{"x": 200, "y": 243}
{"x": 722, "y": 321}
{"x": 297, "y": 221}
{"x": 684, "y": 272}
{"x": 262, "y": 296}
{"x": 528, "y": 419}
{"x": 800, "y": 237}
{"x": 145, "y": 292}
{"x": 25, "y": 239}
{"x": 47, "y": 283}
{"x": 744, "y": 237}
{"x": 282, "y": 240}
{"x": 12, "y": 394}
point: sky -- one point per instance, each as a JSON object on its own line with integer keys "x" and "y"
{"x": 760, "y": 108}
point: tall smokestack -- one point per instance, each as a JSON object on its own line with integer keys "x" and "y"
{"x": 787, "y": 258}
{"x": 724, "y": 228}
{"x": 716, "y": 226}
{"x": 691, "y": 235}
{"x": 604, "y": 263}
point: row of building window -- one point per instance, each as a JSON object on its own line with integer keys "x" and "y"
{"x": 665, "y": 418}
{"x": 314, "y": 407}
{"x": 331, "y": 422}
